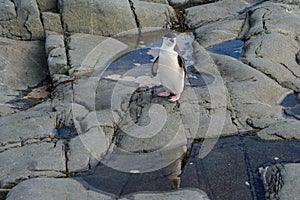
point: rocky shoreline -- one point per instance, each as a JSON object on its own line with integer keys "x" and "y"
{"x": 62, "y": 111}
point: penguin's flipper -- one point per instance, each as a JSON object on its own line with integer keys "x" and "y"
{"x": 155, "y": 66}
{"x": 181, "y": 64}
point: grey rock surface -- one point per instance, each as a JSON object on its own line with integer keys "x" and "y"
{"x": 25, "y": 24}
{"x": 288, "y": 130}
{"x": 249, "y": 96}
{"x": 178, "y": 2}
{"x": 201, "y": 15}
{"x": 88, "y": 18}
{"x": 291, "y": 181}
{"x": 7, "y": 10}
{"x": 281, "y": 181}
{"x": 25, "y": 127}
{"x": 23, "y": 63}
{"x": 58, "y": 189}
{"x": 267, "y": 38}
{"x": 156, "y": 1}
{"x": 52, "y": 22}
{"x": 34, "y": 160}
{"x": 184, "y": 194}
{"x": 47, "y": 5}
{"x": 218, "y": 32}
{"x": 92, "y": 53}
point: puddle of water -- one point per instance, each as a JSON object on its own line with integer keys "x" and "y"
{"x": 230, "y": 171}
{"x": 291, "y": 106}
{"x": 135, "y": 67}
{"x": 233, "y": 48}
{"x": 233, "y": 164}
{"x": 65, "y": 133}
{"x": 290, "y": 101}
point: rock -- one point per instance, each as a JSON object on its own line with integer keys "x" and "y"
{"x": 160, "y": 19}
{"x": 7, "y": 10}
{"x": 179, "y": 194}
{"x": 218, "y": 32}
{"x": 92, "y": 53}
{"x": 24, "y": 64}
{"x": 290, "y": 176}
{"x": 53, "y": 40}
{"x": 295, "y": 2}
{"x": 47, "y": 5}
{"x": 268, "y": 57}
{"x": 281, "y": 131}
{"x": 52, "y": 22}
{"x": 57, "y": 56}
{"x": 30, "y": 126}
{"x": 267, "y": 37}
{"x": 214, "y": 98}
{"x": 57, "y": 61}
{"x": 280, "y": 181}
{"x": 89, "y": 17}
{"x": 26, "y": 24}
{"x": 178, "y": 2}
{"x": 200, "y": 15}
{"x": 7, "y": 95}
{"x": 50, "y": 188}
{"x": 79, "y": 158}
{"x": 249, "y": 92}
{"x": 34, "y": 160}
{"x": 156, "y": 1}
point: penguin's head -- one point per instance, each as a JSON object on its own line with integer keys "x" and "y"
{"x": 170, "y": 40}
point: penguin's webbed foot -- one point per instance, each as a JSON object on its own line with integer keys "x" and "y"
{"x": 164, "y": 94}
{"x": 174, "y": 98}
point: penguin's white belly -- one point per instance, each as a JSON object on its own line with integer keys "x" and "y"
{"x": 171, "y": 74}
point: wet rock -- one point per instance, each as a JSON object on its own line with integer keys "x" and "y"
{"x": 26, "y": 24}
{"x": 7, "y": 10}
{"x": 47, "y": 5}
{"x": 34, "y": 160}
{"x": 92, "y": 53}
{"x": 288, "y": 130}
{"x": 115, "y": 21}
{"x": 215, "y": 33}
{"x": 179, "y": 194}
{"x": 280, "y": 181}
{"x": 249, "y": 92}
{"x": 52, "y": 22}
{"x": 50, "y": 188}
{"x": 291, "y": 181}
{"x": 201, "y": 15}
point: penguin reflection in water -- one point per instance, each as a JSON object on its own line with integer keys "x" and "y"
{"x": 171, "y": 67}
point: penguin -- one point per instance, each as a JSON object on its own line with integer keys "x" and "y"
{"x": 171, "y": 68}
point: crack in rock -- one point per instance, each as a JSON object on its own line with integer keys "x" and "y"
{"x": 137, "y": 21}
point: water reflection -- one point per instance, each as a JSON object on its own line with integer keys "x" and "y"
{"x": 233, "y": 48}
{"x": 291, "y": 104}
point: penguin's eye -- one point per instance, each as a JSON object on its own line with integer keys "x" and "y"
{"x": 171, "y": 40}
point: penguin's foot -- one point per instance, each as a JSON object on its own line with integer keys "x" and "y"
{"x": 164, "y": 94}
{"x": 174, "y": 98}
